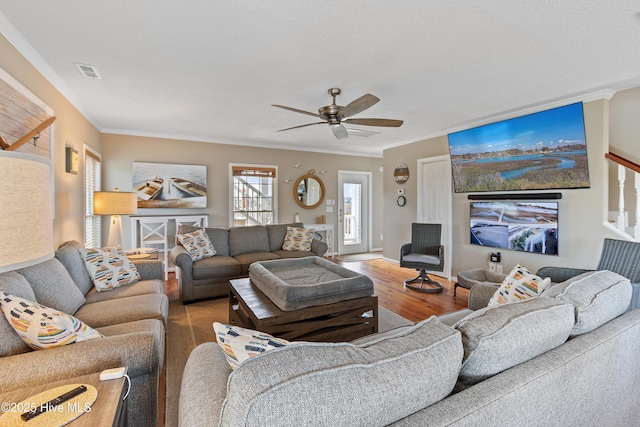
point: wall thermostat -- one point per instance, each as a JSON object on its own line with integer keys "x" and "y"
{"x": 401, "y": 191}
{"x": 401, "y": 201}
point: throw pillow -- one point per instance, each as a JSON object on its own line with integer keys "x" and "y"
{"x": 198, "y": 244}
{"x": 519, "y": 285}
{"x": 43, "y": 327}
{"x": 298, "y": 239}
{"x": 240, "y": 344}
{"x": 109, "y": 268}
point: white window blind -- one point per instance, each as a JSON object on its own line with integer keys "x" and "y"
{"x": 92, "y": 177}
{"x": 253, "y": 195}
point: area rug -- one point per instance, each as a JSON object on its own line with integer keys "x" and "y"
{"x": 359, "y": 257}
{"x": 190, "y": 325}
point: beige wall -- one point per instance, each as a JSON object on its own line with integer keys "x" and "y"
{"x": 581, "y": 212}
{"x": 70, "y": 128}
{"x": 120, "y": 151}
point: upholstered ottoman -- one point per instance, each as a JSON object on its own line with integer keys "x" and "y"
{"x": 298, "y": 283}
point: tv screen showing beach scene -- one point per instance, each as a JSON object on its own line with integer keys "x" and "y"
{"x": 545, "y": 150}
{"x": 519, "y": 226}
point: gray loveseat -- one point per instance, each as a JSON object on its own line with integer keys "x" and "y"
{"x": 236, "y": 248}
{"x": 571, "y": 360}
{"x": 132, "y": 318}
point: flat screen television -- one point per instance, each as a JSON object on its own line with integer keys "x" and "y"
{"x": 545, "y": 150}
{"x": 518, "y": 226}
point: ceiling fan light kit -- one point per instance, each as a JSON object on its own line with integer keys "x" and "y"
{"x": 334, "y": 115}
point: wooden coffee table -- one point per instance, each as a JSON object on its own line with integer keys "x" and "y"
{"x": 340, "y": 321}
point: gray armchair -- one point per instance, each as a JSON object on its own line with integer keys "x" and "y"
{"x": 619, "y": 256}
{"x": 425, "y": 252}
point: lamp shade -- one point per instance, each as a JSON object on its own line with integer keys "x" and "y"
{"x": 114, "y": 203}
{"x": 26, "y": 220}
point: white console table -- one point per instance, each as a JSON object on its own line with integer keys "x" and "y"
{"x": 327, "y": 229}
{"x": 163, "y": 236}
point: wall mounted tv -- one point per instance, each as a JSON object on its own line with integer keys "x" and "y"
{"x": 545, "y": 150}
{"x": 519, "y": 226}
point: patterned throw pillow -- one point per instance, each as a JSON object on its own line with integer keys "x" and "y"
{"x": 109, "y": 268}
{"x": 519, "y": 285}
{"x": 240, "y": 344}
{"x": 298, "y": 239}
{"x": 198, "y": 244}
{"x": 43, "y": 327}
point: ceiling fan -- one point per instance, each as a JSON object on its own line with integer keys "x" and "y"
{"x": 334, "y": 115}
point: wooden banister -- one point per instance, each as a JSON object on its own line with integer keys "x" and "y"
{"x": 42, "y": 126}
{"x": 622, "y": 161}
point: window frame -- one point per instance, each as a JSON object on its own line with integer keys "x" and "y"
{"x": 257, "y": 167}
{"x": 92, "y": 238}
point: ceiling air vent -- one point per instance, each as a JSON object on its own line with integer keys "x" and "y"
{"x": 89, "y": 71}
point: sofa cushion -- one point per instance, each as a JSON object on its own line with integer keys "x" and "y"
{"x": 216, "y": 267}
{"x": 110, "y": 268}
{"x": 276, "y": 234}
{"x": 246, "y": 260}
{"x": 143, "y": 287}
{"x": 520, "y": 284}
{"x": 298, "y": 239}
{"x": 244, "y": 240}
{"x": 70, "y": 255}
{"x": 119, "y": 310}
{"x": 53, "y": 286}
{"x": 598, "y": 296}
{"x": 13, "y": 283}
{"x": 497, "y": 338}
{"x": 197, "y": 244}
{"x": 240, "y": 344}
{"x": 42, "y": 327}
{"x": 344, "y": 384}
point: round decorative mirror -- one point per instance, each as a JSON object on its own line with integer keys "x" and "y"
{"x": 401, "y": 173}
{"x": 309, "y": 191}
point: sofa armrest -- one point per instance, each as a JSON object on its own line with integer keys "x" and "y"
{"x": 480, "y": 295}
{"x": 319, "y": 247}
{"x": 136, "y": 351}
{"x": 180, "y": 256}
{"x": 150, "y": 269}
{"x": 204, "y": 386}
{"x": 560, "y": 274}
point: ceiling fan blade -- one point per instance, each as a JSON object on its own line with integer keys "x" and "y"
{"x": 390, "y": 123}
{"x": 359, "y": 105}
{"x": 301, "y": 126}
{"x": 295, "y": 110}
{"x": 339, "y": 131}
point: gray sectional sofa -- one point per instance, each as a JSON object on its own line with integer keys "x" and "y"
{"x": 236, "y": 248}
{"x": 566, "y": 358}
{"x": 132, "y": 318}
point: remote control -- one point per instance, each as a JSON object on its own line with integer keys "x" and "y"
{"x": 44, "y": 407}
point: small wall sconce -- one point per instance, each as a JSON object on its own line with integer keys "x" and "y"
{"x": 297, "y": 166}
{"x": 286, "y": 181}
{"x": 322, "y": 172}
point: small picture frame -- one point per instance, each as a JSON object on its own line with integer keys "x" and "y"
{"x": 71, "y": 160}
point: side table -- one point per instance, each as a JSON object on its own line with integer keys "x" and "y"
{"x": 108, "y": 410}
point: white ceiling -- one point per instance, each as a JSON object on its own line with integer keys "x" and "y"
{"x": 209, "y": 70}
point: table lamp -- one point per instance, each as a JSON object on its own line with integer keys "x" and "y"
{"x": 26, "y": 215}
{"x": 115, "y": 203}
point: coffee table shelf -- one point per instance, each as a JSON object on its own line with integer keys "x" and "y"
{"x": 341, "y": 321}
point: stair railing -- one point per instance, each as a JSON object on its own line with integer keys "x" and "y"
{"x": 624, "y": 165}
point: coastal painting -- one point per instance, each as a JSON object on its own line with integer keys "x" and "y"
{"x": 161, "y": 185}
{"x": 545, "y": 150}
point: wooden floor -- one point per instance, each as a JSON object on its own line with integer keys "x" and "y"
{"x": 388, "y": 279}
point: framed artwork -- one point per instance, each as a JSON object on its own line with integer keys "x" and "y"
{"x": 161, "y": 185}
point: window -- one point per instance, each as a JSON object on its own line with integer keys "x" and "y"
{"x": 92, "y": 176}
{"x": 253, "y": 195}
